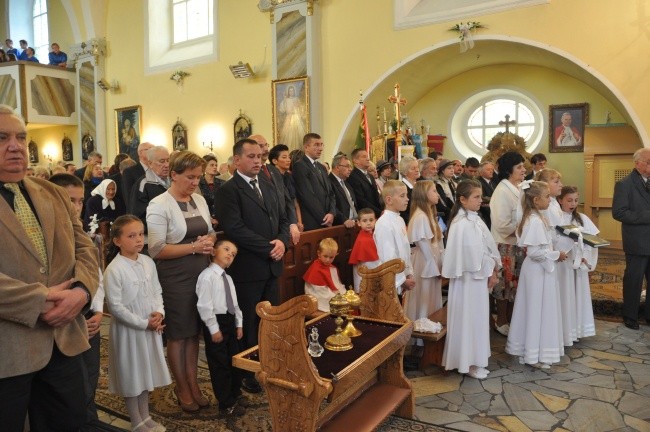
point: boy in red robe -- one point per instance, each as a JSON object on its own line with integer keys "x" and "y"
{"x": 364, "y": 251}
{"x": 322, "y": 277}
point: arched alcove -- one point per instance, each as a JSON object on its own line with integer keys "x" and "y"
{"x": 430, "y": 68}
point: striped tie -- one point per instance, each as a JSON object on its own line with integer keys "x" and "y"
{"x": 28, "y": 220}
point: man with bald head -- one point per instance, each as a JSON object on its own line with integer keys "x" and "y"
{"x": 631, "y": 207}
{"x": 131, "y": 175}
{"x": 48, "y": 272}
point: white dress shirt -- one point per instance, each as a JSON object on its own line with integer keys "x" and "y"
{"x": 212, "y": 297}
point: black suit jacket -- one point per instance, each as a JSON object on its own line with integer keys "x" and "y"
{"x": 406, "y": 214}
{"x": 80, "y": 172}
{"x": 129, "y": 177}
{"x": 487, "y": 191}
{"x": 367, "y": 194}
{"x": 314, "y": 193}
{"x": 342, "y": 204}
{"x": 251, "y": 225}
{"x": 631, "y": 207}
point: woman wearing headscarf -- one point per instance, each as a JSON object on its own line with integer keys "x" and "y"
{"x": 101, "y": 204}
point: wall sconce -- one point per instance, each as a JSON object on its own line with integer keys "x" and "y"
{"x": 105, "y": 85}
{"x": 210, "y": 146}
{"x": 242, "y": 70}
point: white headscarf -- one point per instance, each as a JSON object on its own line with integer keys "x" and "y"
{"x": 101, "y": 191}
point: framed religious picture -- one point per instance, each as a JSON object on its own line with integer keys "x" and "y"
{"x": 567, "y": 127}
{"x": 32, "y": 149}
{"x": 66, "y": 149}
{"x": 87, "y": 145}
{"x": 128, "y": 125}
{"x": 243, "y": 127}
{"x": 179, "y": 136}
{"x": 290, "y": 100}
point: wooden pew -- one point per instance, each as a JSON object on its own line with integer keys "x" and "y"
{"x": 358, "y": 393}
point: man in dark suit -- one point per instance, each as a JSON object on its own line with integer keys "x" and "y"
{"x": 93, "y": 159}
{"x": 631, "y": 207}
{"x": 48, "y": 271}
{"x": 363, "y": 185}
{"x": 117, "y": 178}
{"x": 346, "y": 211}
{"x": 538, "y": 161}
{"x": 313, "y": 190}
{"x": 253, "y": 218}
{"x": 131, "y": 175}
{"x": 488, "y": 183}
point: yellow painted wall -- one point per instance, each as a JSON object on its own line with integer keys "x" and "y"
{"x": 59, "y": 26}
{"x": 49, "y": 141}
{"x": 4, "y": 29}
{"x": 358, "y": 46}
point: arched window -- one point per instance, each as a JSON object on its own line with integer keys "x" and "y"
{"x": 476, "y": 120}
{"x": 41, "y": 31}
{"x": 192, "y": 19}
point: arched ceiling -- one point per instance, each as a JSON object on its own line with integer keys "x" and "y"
{"x": 425, "y": 71}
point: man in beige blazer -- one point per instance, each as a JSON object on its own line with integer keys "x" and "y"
{"x": 42, "y": 329}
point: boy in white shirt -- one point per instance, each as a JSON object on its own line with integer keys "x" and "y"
{"x": 222, "y": 329}
{"x": 390, "y": 234}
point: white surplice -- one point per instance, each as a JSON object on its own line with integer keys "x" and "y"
{"x": 392, "y": 242}
{"x": 536, "y": 325}
{"x": 470, "y": 259}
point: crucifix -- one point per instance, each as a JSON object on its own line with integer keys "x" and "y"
{"x": 507, "y": 123}
{"x": 397, "y": 99}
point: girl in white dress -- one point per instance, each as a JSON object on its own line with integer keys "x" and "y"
{"x": 564, "y": 269}
{"x": 471, "y": 263}
{"x": 135, "y": 354}
{"x": 426, "y": 257}
{"x": 582, "y": 259}
{"x": 536, "y": 328}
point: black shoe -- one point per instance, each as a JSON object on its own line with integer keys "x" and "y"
{"x": 234, "y": 411}
{"x": 244, "y": 401}
{"x": 631, "y": 324}
{"x": 252, "y": 386}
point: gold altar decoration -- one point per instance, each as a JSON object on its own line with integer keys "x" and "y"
{"x": 504, "y": 142}
{"x": 354, "y": 301}
{"x": 338, "y": 341}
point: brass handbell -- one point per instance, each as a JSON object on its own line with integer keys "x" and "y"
{"x": 338, "y": 341}
{"x": 354, "y": 301}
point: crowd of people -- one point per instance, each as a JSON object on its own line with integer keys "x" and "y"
{"x": 480, "y": 225}
{"x": 8, "y": 53}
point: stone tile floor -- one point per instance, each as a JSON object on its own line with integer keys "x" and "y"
{"x": 602, "y": 384}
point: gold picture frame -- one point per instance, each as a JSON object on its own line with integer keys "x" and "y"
{"x": 566, "y": 127}
{"x": 128, "y": 127}
{"x": 290, "y": 116}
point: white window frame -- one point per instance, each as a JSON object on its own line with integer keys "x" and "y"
{"x": 188, "y": 40}
{"x": 161, "y": 54}
{"x": 41, "y": 47}
{"x": 459, "y": 128}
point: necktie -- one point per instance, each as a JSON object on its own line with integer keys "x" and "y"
{"x": 353, "y": 211}
{"x": 230, "y": 304}
{"x": 253, "y": 183}
{"x": 28, "y": 220}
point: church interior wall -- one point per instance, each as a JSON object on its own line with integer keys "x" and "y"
{"x": 4, "y": 19}
{"x": 60, "y": 25}
{"x": 545, "y": 86}
{"x": 358, "y": 45}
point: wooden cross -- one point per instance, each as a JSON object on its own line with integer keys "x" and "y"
{"x": 507, "y": 123}
{"x": 397, "y": 99}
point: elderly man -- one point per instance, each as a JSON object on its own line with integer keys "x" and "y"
{"x": 567, "y": 135}
{"x": 254, "y": 219}
{"x": 428, "y": 169}
{"x": 313, "y": 190}
{"x": 131, "y": 175}
{"x": 363, "y": 185}
{"x": 631, "y": 207}
{"x": 153, "y": 183}
{"x": 346, "y": 211}
{"x": 94, "y": 158}
{"x": 48, "y": 272}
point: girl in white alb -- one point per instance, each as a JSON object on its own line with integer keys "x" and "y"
{"x": 136, "y": 362}
{"x": 564, "y": 269}
{"x": 582, "y": 259}
{"x": 471, "y": 263}
{"x": 536, "y": 328}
